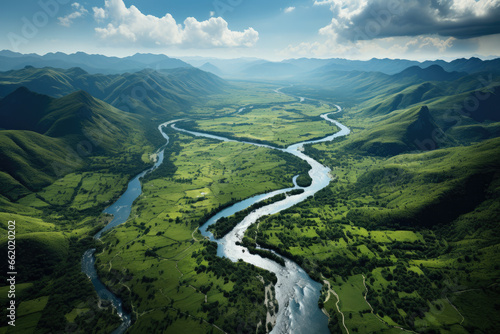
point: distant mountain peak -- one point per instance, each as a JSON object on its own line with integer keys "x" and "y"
{"x": 77, "y": 71}
{"x": 22, "y": 93}
{"x": 82, "y": 96}
{"x": 209, "y": 67}
{"x": 434, "y": 67}
{"x": 431, "y": 73}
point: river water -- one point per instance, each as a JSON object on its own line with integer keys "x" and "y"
{"x": 296, "y": 292}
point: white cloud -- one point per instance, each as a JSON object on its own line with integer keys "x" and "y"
{"x": 420, "y": 47}
{"x": 99, "y": 13}
{"x": 289, "y": 9}
{"x": 68, "y": 19}
{"x": 362, "y": 19}
{"x": 212, "y": 13}
{"x": 429, "y": 44}
{"x": 415, "y": 29}
{"x": 130, "y": 25}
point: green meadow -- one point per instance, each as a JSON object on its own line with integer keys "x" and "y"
{"x": 279, "y": 124}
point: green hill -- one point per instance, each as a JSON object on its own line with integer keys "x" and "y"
{"x": 31, "y": 161}
{"x": 395, "y": 133}
{"x": 23, "y": 109}
{"x": 431, "y": 73}
{"x": 407, "y": 97}
{"x": 44, "y": 138}
{"x": 464, "y": 108}
{"x": 62, "y": 161}
{"x": 457, "y": 181}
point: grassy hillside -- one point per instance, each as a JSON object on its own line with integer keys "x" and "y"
{"x": 456, "y": 180}
{"x": 61, "y": 135}
{"x": 31, "y": 160}
{"x": 398, "y": 132}
{"x": 418, "y": 93}
{"x": 23, "y": 109}
{"x": 362, "y": 86}
{"x": 371, "y": 91}
{"x": 462, "y": 111}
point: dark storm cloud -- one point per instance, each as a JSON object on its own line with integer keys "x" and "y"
{"x": 461, "y": 19}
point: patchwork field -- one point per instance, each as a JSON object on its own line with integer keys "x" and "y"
{"x": 278, "y": 124}
{"x": 157, "y": 261}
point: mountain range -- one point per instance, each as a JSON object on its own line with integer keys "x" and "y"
{"x": 290, "y": 68}
{"x": 91, "y": 63}
{"x": 147, "y": 91}
{"x": 241, "y": 68}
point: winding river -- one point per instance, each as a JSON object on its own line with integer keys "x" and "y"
{"x": 296, "y": 292}
{"x": 121, "y": 211}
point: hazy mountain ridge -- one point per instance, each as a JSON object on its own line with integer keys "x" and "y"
{"x": 92, "y": 63}
{"x": 393, "y": 66}
{"x": 431, "y": 73}
{"x": 233, "y": 68}
{"x": 147, "y": 91}
{"x": 300, "y": 67}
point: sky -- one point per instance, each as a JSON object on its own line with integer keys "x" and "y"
{"x": 272, "y": 29}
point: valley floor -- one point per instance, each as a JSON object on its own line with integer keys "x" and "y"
{"x": 401, "y": 241}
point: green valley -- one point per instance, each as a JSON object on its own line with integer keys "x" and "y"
{"x": 395, "y": 223}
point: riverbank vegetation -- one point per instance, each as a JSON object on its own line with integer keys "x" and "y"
{"x": 225, "y": 224}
